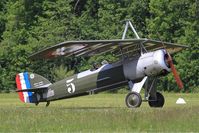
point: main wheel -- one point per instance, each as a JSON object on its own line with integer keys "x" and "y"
{"x": 159, "y": 102}
{"x": 133, "y": 100}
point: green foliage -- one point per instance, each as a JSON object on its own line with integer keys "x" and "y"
{"x": 62, "y": 72}
{"x": 177, "y": 21}
{"x": 29, "y": 25}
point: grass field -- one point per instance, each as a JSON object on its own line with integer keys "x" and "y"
{"x": 99, "y": 113}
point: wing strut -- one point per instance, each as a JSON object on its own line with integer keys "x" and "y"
{"x": 128, "y": 23}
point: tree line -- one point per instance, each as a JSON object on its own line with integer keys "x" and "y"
{"x": 29, "y": 25}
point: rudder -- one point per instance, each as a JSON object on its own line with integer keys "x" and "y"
{"x": 28, "y": 81}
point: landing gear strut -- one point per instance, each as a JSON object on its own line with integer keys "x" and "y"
{"x": 156, "y": 102}
{"x": 47, "y": 104}
{"x": 133, "y": 100}
{"x": 154, "y": 98}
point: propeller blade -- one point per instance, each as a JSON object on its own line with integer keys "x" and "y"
{"x": 175, "y": 73}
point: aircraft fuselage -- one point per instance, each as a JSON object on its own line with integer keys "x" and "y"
{"x": 108, "y": 76}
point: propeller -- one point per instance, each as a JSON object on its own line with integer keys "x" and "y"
{"x": 174, "y": 71}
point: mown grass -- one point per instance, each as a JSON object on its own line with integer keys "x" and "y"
{"x": 99, "y": 113}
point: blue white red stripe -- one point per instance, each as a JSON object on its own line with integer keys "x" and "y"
{"x": 19, "y": 88}
{"x": 23, "y": 82}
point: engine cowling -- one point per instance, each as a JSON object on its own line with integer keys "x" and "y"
{"x": 148, "y": 64}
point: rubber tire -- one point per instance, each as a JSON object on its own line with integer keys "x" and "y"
{"x": 129, "y": 101}
{"x": 159, "y": 103}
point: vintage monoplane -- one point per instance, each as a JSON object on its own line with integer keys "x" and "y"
{"x": 142, "y": 62}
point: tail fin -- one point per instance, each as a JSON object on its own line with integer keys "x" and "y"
{"x": 28, "y": 81}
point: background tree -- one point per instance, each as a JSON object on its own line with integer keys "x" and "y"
{"x": 177, "y": 21}
{"x": 29, "y": 25}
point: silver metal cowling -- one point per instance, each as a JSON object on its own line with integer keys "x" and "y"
{"x": 148, "y": 64}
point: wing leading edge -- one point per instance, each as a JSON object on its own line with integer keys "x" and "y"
{"x": 93, "y": 47}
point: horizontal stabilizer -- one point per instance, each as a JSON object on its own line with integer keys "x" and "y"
{"x": 32, "y": 90}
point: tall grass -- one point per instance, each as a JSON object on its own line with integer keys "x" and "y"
{"x": 99, "y": 113}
